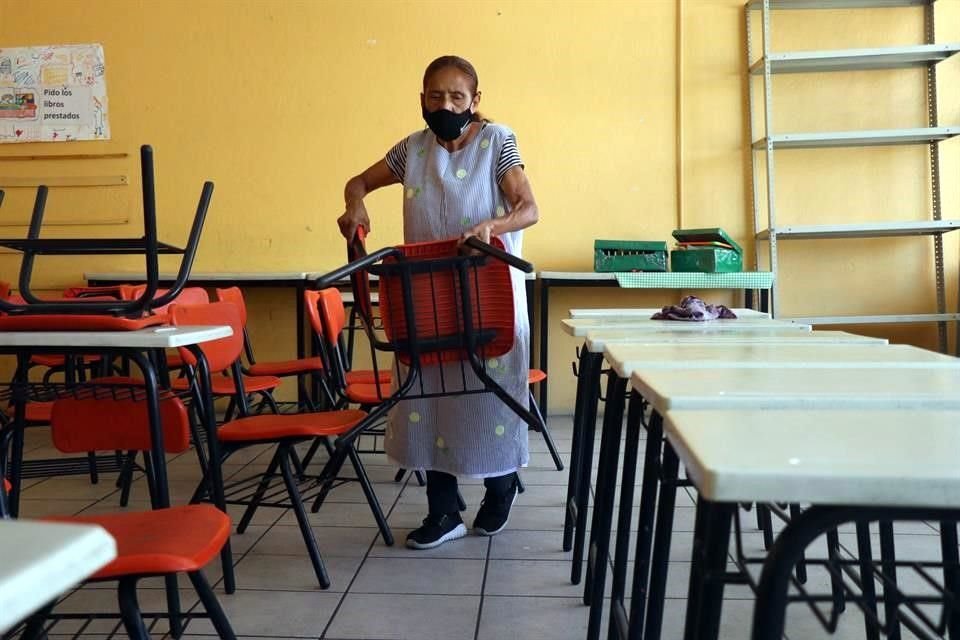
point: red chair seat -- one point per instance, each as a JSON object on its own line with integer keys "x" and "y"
{"x": 224, "y": 386}
{"x": 36, "y": 411}
{"x": 536, "y": 376}
{"x": 174, "y": 361}
{"x": 287, "y": 367}
{"x": 53, "y": 322}
{"x": 368, "y": 377}
{"x": 58, "y": 361}
{"x": 161, "y": 541}
{"x": 303, "y": 425}
{"x": 367, "y": 393}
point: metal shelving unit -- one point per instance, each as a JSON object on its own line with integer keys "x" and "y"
{"x": 770, "y": 63}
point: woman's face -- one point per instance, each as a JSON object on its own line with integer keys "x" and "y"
{"x": 451, "y": 89}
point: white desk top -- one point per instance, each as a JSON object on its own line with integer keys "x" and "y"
{"x": 641, "y": 313}
{"x": 625, "y": 358}
{"x": 843, "y": 457}
{"x": 576, "y": 275}
{"x": 597, "y": 341}
{"x": 217, "y": 276}
{"x": 781, "y": 388}
{"x": 149, "y": 338}
{"x": 578, "y": 327}
{"x": 42, "y": 560}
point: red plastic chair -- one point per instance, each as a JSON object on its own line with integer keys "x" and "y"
{"x": 285, "y": 431}
{"x": 161, "y": 542}
{"x": 299, "y": 367}
{"x": 222, "y": 385}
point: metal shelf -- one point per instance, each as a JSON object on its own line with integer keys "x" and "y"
{"x": 862, "y": 230}
{"x": 838, "y": 4}
{"x": 856, "y": 59}
{"x": 884, "y": 319}
{"x": 881, "y": 137}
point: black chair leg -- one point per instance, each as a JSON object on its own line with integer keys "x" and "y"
{"x": 258, "y": 494}
{"x": 130, "y": 610}
{"x": 92, "y": 466}
{"x": 34, "y": 627}
{"x": 399, "y": 475}
{"x": 420, "y": 479}
{"x": 217, "y": 617}
{"x": 302, "y": 520}
{"x": 125, "y": 479}
{"x": 547, "y": 438}
{"x": 371, "y": 496}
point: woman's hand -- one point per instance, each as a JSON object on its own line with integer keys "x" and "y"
{"x": 355, "y": 216}
{"x": 483, "y": 231}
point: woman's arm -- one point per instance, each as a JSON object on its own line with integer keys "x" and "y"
{"x": 356, "y": 189}
{"x": 523, "y": 208}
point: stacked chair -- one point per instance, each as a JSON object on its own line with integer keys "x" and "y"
{"x": 116, "y": 414}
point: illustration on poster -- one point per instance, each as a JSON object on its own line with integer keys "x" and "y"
{"x": 53, "y": 93}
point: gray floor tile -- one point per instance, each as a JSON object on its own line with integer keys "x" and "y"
{"x": 406, "y": 617}
{"x": 528, "y": 545}
{"x": 278, "y": 614}
{"x": 295, "y": 573}
{"x": 333, "y": 541}
{"x": 437, "y": 576}
{"x": 530, "y": 578}
{"x": 532, "y": 617}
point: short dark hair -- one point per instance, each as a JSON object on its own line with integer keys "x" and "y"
{"x": 460, "y": 64}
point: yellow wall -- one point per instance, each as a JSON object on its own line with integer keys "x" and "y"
{"x": 279, "y": 102}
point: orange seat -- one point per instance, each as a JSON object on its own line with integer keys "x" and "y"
{"x": 162, "y": 541}
{"x": 286, "y": 367}
{"x": 224, "y": 386}
{"x": 535, "y": 376}
{"x": 367, "y": 393}
{"x": 36, "y": 411}
{"x": 276, "y": 427}
{"x": 368, "y": 377}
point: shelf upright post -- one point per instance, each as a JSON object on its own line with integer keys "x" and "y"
{"x": 768, "y": 135}
{"x": 747, "y": 11}
{"x": 932, "y": 121}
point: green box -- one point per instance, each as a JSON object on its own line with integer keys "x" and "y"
{"x": 706, "y": 259}
{"x": 629, "y": 255}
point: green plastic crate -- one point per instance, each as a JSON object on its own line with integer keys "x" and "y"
{"x": 629, "y": 255}
{"x": 706, "y": 259}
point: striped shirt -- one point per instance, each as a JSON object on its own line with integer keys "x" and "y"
{"x": 509, "y": 157}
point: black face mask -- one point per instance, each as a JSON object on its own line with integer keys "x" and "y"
{"x": 446, "y": 124}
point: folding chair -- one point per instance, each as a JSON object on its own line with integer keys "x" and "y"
{"x": 443, "y": 314}
{"x": 161, "y": 542}
{"x": 302, "y": 368}
{"x": 285, "y": 431}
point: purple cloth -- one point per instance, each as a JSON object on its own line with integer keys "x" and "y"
{"x": 693, "y": 309}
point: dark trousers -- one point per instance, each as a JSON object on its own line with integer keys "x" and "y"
{"x": 442, "y": 490}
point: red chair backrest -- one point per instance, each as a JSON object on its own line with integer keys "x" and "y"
{"x": 326, "y": 313}
{"x": 4, "y": 290}
{"x": 188, "y": 295}
{"x": 234, "y": 295}
{"x": 437, "y": 307}
{"x": 220, "y": 353}
{"x": 105, "y": 424}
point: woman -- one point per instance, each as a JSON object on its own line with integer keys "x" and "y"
{"x": 462, "y": 176}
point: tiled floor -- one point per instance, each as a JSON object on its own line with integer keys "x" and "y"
{"x": 515, "y": 585}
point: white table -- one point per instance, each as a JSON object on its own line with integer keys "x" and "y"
{"x": 581, "y": 326}
{"x": 647, "y": 312}
{"x": 909, "y": 471}
{"x": 42, "y": 560}
{"x": 150, "y": 338}
{"x": 598, "y": 340}
{"x": 625, "y": 358}
{"x": 785, "y": 388}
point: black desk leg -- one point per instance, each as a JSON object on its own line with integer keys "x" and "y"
{"x": 530, "y": 291}
{"x": 544, "y": 332}
{"x": 951, "y": 572}
{"x": 663, "y": 533}
{"x": 625, "y": 517}
{"x": 711, "y": 542}
{"x": 21, "y": 395}
{"x": 586, "y": 369}
{"x": 599, "y": 554}
{"x": 648, "y": 504}
{"x": 888, "y": 561}
{"x": 869, "y": 587}
{"x": 590, "y": 377}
